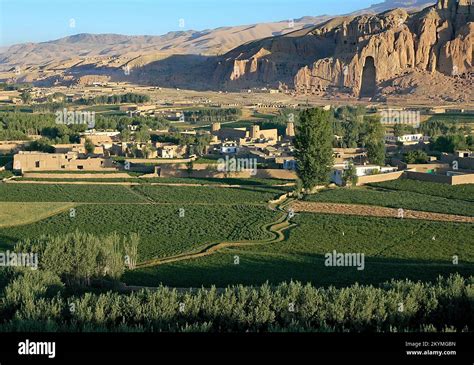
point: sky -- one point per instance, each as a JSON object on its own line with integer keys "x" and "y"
{"x": 43, "y": 20}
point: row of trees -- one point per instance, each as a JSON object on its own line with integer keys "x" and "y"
{"x": 40, "y": 301}
{"x": 17, "y": 126}
{"x": 211, "y": 115}
{"x": 77, "y": 258}
{"x": 115, "y": 99}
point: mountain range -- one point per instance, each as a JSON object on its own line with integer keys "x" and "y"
{"x": 410, "y": 48}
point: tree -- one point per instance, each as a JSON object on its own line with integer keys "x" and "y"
{"x": 125, "y": 135}
{"x": 401, "y": 129}
{"x": 26, "y": 97}
{"x": 41, "y": 145}
{"x": 189, "y": 167}
{"x": 416, "y": 156}
{"x": 450, "y": 143}
{"x": 131, "y": 250}
{"x": 313, "y": 143}
{"x": 89, "y": 146}
{"x": 142, "y": 135}
{"x": 350, "y": 175}
{"x": 373, "y": 139}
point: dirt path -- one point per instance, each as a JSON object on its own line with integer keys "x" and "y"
{"x": 276, "y": 229}
{"x": 375, "y": 211}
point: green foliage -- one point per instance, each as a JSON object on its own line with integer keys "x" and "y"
{"x": 313, "y": 143}
{"x": 447, "y": 303}
{"x": 350, "y": 175}
{"x": 40, "y": 145}
{"x": 435, "y": 127}
{"x": 116, "y": 99}
{"x": 89, "y": 146}
{"x": 456, "y": 192}
{"x": 415, "y": 157}
{"x": 449, "y": 143}
{"x": 373, "y": 139}
{"x": 210, "y": 115}
{"x": 395, "y": 199}
{"x": 401, "y": 129}
{"x": 26, "y": 96}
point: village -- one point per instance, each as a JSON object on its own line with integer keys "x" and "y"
{"x": 240, "y": 152}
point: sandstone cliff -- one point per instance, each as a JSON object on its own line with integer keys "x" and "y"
{"x": 357, "y": 54}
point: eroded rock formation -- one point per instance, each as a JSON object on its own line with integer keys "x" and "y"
{"x": 438, "y": 39}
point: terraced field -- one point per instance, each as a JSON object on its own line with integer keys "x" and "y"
{"x": 170, "y": 220}
{"x": 457, "y": 192}
{"x": 419, "y": 250}
{"x": 68, "y": 193}
{"x": 425, "y": 199}
{"x": 14, "y": 214}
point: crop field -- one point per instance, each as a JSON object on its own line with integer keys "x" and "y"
{"x": 207, "y": 195}
{"x": 13, "y": 214}
{"x": 89, "y": 193}
{"x": 418, "y": 250}
{"x": 68, "y": 193}
{"x": 208, "y": 215}
{"x": 396, "y": 199}
{"x": 393, "y": 248}
{"x": 458, "y": 192}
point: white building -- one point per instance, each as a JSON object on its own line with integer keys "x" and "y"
{"x": 337, "y": 173}
{"x": 406, "y": 138}
{"x": 229, "y": 148}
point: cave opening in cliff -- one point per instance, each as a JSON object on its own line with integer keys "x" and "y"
{"x": 368, "y": 85}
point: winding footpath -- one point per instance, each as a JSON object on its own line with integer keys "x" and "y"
{"x": 275, "y": 229}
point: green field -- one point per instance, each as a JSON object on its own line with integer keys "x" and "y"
{"x": 211, "y": 214}
{"x": 457, "y": 192}
{"x": 162, "y": 231}
{"x": 453, "y": 117}
{"x": 135, "y": 194}
{"x": 406, "y": 199}
{"x": 414, "y": 249}
{"x": 69, "y": 193}
{"x": 392, "y": 248}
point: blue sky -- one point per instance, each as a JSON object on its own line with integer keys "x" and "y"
{"x": 43, "y": 20}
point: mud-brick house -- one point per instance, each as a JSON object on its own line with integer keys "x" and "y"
{"x": 25, "y": 161}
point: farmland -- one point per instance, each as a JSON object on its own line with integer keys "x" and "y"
{"x": 208, "y": 214}
{"x": 68, "y": 193}
{"x": 425, "y": 199}
{"x": 415, "y": 249}
{"x": 12, "y": 214}
{"x": 458, "y": 192}
{"x": 393, "y": 249}
{"x": 168, "y": 180}
{"x": 134, "y": 194}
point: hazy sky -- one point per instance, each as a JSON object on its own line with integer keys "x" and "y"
{"x": 43, "y": 20}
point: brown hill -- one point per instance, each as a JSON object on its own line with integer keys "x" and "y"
{"x": 166, "y": 60}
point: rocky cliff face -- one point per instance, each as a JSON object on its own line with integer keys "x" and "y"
{"x": 357, "y": 54}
